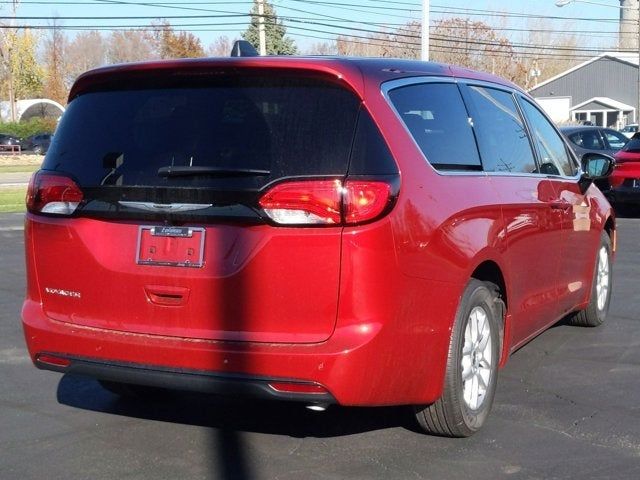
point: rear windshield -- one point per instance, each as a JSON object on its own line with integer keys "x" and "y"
{"x": 230, "y": 133}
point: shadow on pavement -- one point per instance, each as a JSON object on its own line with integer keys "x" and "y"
{"x": 231, "y": 415}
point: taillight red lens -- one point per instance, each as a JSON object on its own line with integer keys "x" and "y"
{"x": 305, "y": 202}
{"x": 326, "y": 202}
{"x": 52, "y": 193}
{"x": 364, "y": 201}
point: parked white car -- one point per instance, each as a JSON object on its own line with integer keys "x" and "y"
{"x": 630, "y": 130}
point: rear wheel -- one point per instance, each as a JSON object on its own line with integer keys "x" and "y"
{"x": 596, "y": 312}
{"x": 472, "y": 366}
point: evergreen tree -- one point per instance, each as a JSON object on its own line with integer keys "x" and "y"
{"x": 275, "y": 31}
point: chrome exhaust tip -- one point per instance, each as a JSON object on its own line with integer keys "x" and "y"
{"x": 317, "y": 407}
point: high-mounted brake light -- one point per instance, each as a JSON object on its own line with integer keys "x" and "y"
{"x": 52, "y": 193}
{"x": 326, "y": 202}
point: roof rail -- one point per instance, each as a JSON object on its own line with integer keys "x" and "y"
{"x": 242, "y": 48}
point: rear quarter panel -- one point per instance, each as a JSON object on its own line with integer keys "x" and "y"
{"x": 440, "y": 230}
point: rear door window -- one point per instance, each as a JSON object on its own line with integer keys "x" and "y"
{"x": 553, "y": 153}
{"x": 438, "y": 121}
{"x": 501, "y": 133}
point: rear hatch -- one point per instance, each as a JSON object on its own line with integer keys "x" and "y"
{"x": 174, "y": 231}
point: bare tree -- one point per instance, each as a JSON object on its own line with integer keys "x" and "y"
{"x": 86, "y": 51}
{"x": 544, "y": 66}
{"x": 130, "y": 46}
{"x": 221, "y": 47}
{"x": 403, "y": 42}
{"x": 475, "y": 45}
{"x": 322, "y": 48}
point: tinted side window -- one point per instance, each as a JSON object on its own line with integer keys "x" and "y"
{"x": 438, "y": 121}
{"x": 370, "y": 155}
{"x": 502, "y": 137}
{"x": 616, "y": 140}
{"x": 554, "y": 157}
{"x": 589, "y": 139}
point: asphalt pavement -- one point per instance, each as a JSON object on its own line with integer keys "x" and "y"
{"x": 567, "y": 407}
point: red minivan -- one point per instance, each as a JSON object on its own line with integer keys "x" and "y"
{"x": 323, "y": 230}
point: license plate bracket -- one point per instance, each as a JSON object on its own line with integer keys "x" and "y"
{"x": 170, "y": 246}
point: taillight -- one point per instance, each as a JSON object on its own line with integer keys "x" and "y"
{"x": 326, "y": 202}
{"x": 364, "y": 200}
{"x": 52, "y": 193}
{"x": 306, "y": 202}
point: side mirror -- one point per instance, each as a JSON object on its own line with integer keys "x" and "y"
{"x": 594, "y": 167}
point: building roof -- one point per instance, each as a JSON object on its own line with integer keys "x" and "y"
{"x": 626, "y": 57}
{"x": 606, "y": 101}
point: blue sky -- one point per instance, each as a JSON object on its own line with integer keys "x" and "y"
{"x": 372, "y": 14}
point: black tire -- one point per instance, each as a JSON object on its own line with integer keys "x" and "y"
{"x": 596, "y": 312}
{"x": 453, "y": 415}
{"x": 38, "y": 150}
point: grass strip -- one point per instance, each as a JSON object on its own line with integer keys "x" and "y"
{"x": 12, "y": 199}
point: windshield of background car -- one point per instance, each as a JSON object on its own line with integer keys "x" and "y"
{"x": 275, "y": 125}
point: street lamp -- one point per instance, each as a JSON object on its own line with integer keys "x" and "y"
{"x": 562, "y": 3}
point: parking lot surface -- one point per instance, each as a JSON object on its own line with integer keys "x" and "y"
{"x": 567, "y": 406}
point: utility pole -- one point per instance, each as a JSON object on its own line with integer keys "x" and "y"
{"x": 424, "y": 51}
{"x": 6, "y": 50}
{"x": 261, "y": 33}
{"x": 12, "y": 93}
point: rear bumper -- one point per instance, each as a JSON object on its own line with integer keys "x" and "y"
{"x": 188, "y": 380}
{"x": 364, "y": 365}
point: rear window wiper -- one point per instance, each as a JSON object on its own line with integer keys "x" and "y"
{"x": 186, "y": 171}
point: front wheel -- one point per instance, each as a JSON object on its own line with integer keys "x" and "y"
{"x": 596, "y": 312}
{"x": 472, "y": 366}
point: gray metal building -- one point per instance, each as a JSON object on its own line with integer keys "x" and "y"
{"x": 603, "y": 90}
